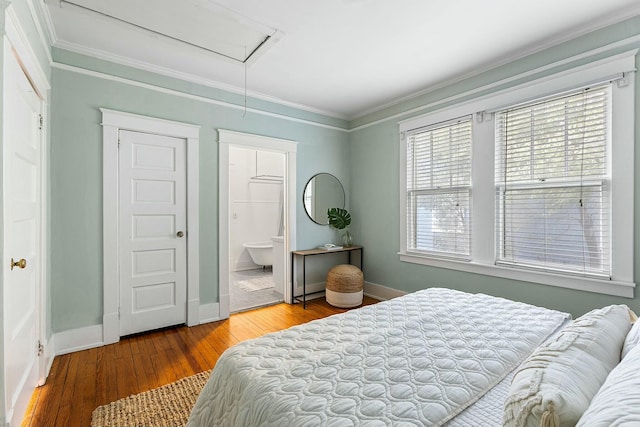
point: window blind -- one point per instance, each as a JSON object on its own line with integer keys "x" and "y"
{"x": 552, "y": 184}
{"x": 439, "y": 189}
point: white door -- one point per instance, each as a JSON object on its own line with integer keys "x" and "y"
{"x": 22, "y": 227}
{"x": 152, "y": 231}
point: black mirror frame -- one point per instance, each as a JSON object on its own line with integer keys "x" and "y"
{"x": 344, "y": 196}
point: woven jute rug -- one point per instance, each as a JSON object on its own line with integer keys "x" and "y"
{"x": 169, "y": 405}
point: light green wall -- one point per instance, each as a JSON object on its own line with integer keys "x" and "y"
{"x": 76, "y": 173}
{"x": 365, "y": 160}
{"x": 375, "y": 186}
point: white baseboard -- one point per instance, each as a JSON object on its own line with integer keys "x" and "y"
{"x": 209, "y": 313}
{"x": 48, "y": 355}
{"x": 77, "y": 339}
{"x": 311, "y": 288}
{"x": 224, "y": 310}
{"x": 194, "y": 313}
{"x": 92, "y": 336}
{"x": 380, "y": 292}
{"x": 111, "y": 328}
{"x": 372, "y": 290}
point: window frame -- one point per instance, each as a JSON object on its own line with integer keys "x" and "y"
{"x": 433, "y": 190}
{"x": 552, "y": 181}
{"x": 620, "y": 70}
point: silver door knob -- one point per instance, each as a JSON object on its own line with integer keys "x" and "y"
{"x": 180, "y": 234}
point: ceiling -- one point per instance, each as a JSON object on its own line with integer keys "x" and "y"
{"x": 344, "y": 58}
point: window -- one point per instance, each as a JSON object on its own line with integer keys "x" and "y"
{"x": 439, "y": 189}
{"x": 552, "y": 184}
{"x": 533, "y": 183}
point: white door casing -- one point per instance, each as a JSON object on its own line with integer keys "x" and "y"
{"x": 22, "y": 238}
{"x": 152, "y": 228}
{"x": 113, "y": 123}
{"x": 289, "y": 149}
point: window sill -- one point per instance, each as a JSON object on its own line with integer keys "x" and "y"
{"x": 608, "y": 287}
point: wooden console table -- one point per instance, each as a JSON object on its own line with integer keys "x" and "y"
{"x": 312, "y": 252}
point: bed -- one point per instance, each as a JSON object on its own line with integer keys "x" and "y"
{"x": 433, "y": 357}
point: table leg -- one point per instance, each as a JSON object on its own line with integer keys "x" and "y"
{"x": 304, "y": 282}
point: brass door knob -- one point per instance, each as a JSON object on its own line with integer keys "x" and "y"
{"x": 22, "y": 263}
{"x": 180, "y": 233}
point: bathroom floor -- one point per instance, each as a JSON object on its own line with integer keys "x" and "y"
{"x": 251, "y": 289}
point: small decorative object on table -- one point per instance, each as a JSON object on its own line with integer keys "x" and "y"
{"x": 341, "y": 219}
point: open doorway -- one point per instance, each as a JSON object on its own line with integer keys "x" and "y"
{"x": 256, "y": 228}
{"x": 242, "y": 229}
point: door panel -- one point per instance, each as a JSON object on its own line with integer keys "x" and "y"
{"x": 22, "y": 201}
{"x": 153, "y": 226}
{"x": 152, "y": 181}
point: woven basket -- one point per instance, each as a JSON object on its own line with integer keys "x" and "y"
{"x": 345, "y": 284}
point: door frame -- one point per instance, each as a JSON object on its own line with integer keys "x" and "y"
{"x": 227, "y": 138}
{"x": 112, "y": 122}
{"x": 15, "y": 38}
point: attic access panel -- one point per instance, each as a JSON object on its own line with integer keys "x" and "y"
{"x": 200, "y": 23}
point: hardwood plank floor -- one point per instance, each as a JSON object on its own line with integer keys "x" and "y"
{"x": 81, "y": 381}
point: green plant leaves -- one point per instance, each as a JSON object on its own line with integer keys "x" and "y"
{"x": 339, "y": 218}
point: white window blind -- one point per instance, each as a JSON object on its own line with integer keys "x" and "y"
{"x": 552, "y": 182}
{"x": 439, "y": 189}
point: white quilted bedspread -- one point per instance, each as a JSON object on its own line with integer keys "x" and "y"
{"x": 415, "y": 360}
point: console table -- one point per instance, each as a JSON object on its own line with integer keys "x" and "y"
{"x": 313, "y": 252}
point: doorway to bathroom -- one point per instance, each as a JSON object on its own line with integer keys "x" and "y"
{"x": 256, "y": 228}
{"x": 230, "y": 192}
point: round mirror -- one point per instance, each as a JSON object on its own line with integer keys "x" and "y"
{"x": 323, "y": 191}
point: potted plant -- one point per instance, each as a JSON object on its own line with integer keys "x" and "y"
{"x": 341, "y": 219}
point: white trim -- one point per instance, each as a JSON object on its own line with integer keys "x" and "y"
{"x": 313, "y": 289}
{"x": 209, "y": 313}
{"x": 48, "y": 22}
{"x": 136, "y": 122}
{"x": 256, "y": 141}
{"x": 28, "y": 58}
{"x": 576, "y": 77}
{"x": 188, "y": 77}
{"x": 611, "y": 287}
{"x": 91, "y": 336}
{"x": 483, "y": 253}
{"x": 472, "y": 92}
{"x": 227, "y": 138}
{"x": 44, "y": 238}
{"x": 199, "y": 98}
{"x": 622, "y": 171}
{"x": 77, "y": 339}
{"x": 112, "y": 123}
{"x": 49, "y": 355}
{"x": 46, "y": 44}
{"x": 381, "y": 292}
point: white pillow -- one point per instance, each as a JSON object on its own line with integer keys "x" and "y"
{"x": 618, "y": 400}
{"x": 632, "y": 339}
{"x": 556, "y": 383}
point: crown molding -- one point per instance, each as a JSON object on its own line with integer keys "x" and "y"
{"x": 192, "y": 78}
{"x": 496, "y": 84}
{"x": 546, "y": 44}
{"x": 200, "y": 98}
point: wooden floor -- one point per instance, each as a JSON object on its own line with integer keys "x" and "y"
{"x": 79, "y": 382}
